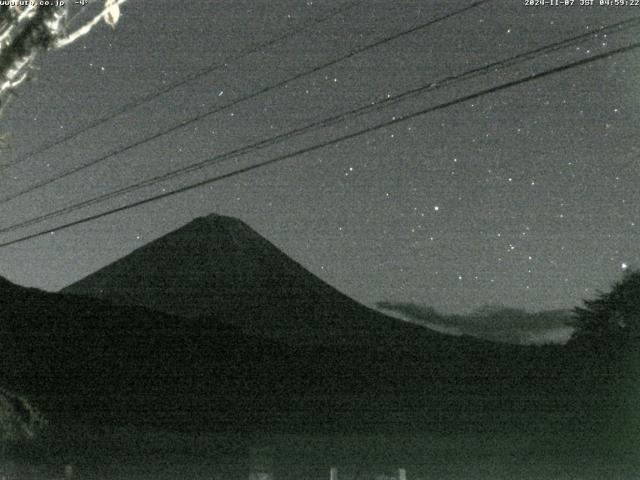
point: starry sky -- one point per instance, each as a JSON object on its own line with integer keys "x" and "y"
{"x": 526, "y": 197}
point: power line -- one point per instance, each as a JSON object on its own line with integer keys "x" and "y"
{"x": 543, "y": 50}
{"x": 195, "y": 76}
{"x": 262, "y": 91}
{"x": 447, "y": 81}
{"x": 334, "y": 141}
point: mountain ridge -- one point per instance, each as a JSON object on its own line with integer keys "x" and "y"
{"x": 81, "y": 359}
{"x": 219, "y": 266}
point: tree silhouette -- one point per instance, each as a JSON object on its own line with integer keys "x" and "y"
{"x": 613, "y": 318}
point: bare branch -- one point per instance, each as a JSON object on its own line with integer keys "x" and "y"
{"x": 110, "y": 14}
{"x": 25, "y": 31}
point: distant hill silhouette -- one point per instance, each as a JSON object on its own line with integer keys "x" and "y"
{"x": 91, "y": 361}
{"x": 87, "y": 360}
{"x": 219, "y": 267}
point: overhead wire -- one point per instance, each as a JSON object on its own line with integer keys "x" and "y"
{"x": 318, "y": 146}
{"x": 250, "y": 96}
{"x": 127, "y": 107}
{"x": 374, "y": 106}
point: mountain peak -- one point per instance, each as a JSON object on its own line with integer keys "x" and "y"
{"x": 219, "y": 228}
{"x": 218, "y": 266}
{"x": 217, "y": 219}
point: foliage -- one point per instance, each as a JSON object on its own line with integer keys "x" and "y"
{"x": 19, "y": 420}
{"x": 25, "y": 30}
{"x": 612, "y": 318}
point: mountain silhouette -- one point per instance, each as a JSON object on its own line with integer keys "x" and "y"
{"x": 212, "y": 327}
{"x": 219, "y": 267}
{"x": 82, "y": 359}
{"x": 85, "y": 360}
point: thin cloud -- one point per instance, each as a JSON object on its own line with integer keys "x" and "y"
{"x": 493, "y": 322}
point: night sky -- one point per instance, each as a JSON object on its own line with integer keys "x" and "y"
{"x": 526, "y": 197}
